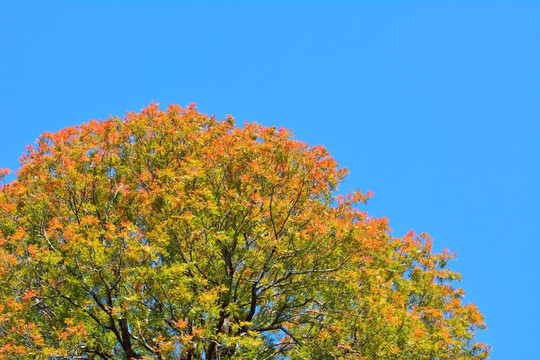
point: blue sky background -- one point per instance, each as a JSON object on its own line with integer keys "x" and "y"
{"x": 434, "y": 106}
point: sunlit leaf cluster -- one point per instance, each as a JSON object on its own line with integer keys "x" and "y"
{"x": 174, "y": 235}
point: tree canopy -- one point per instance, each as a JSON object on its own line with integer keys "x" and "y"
{"x": 174, "y": 235}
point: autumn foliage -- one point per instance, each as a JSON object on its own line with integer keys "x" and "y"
{"x": 173, "y": 235}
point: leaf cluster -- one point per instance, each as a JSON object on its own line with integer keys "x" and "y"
{"x": 173, "y": 235}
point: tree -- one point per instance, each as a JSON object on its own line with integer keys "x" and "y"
{"x": 173, "y": 235}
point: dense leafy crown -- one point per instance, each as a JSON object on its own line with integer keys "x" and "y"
{"x": 173, "y": 235}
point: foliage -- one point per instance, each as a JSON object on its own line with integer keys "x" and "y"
{"x": 173, "y": 235}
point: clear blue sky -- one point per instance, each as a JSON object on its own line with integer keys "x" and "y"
{"x": 434, "y": 106}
